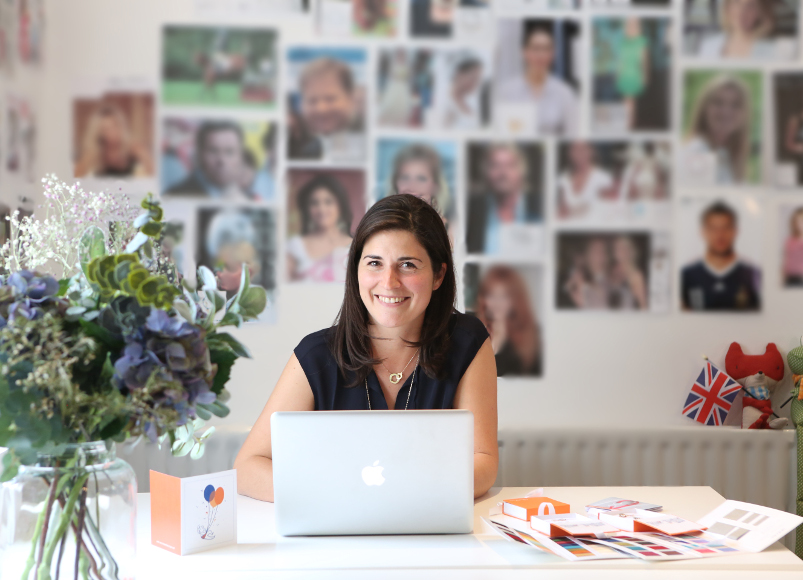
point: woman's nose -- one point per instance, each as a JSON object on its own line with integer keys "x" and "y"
{"x": 391, "y": 279}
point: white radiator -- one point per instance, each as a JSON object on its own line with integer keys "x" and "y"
{"x": 745, "y": 465}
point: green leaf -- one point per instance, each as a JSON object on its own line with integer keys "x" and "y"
{"x": 216, "y": 408}
{"x": 198, "y": 450}
{"x": 224, "y": 359}
{"x": 91, "y": 245}
{"x": 215, "y": 340}
{"x": 231, "y": 319}
{"x": 11, "y": 465}
{"x": 202, "y": 412}
{"x": 114, "y": 428}
{"x": 254, "y": 302}
{"x": 151, "y": 229}
{"x": 181, "y": 448}
{"x": 64, "y": 285}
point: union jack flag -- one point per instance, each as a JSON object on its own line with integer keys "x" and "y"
{"x": 711, "y": 396}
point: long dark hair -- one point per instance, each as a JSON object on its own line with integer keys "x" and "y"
{"x": 333, "y": 186}
{"x": 351, "y": 339}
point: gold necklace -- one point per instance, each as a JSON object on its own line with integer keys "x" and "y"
{"x": 396, "y": 377}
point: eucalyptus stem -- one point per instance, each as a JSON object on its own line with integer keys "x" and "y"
{"x": 61, "y": 553}
{"x": 43, "y": 573}
{"x": 80, "y": 530}
{"x": 38, "y": 535}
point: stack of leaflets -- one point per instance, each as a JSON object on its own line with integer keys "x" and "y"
{"x": 618, "y": 503}
{"x": 731, "y": 528}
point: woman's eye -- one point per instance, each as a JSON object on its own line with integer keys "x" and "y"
{"x": 374, "y": 263}
{"x": 408, "y": 265}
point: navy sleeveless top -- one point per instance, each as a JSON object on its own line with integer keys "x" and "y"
{"x": 466, "y": 333}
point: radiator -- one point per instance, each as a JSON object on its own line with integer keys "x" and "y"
{"x": 746, "y": 465}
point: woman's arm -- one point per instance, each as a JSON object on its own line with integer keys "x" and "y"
{"x": 477, "y": 393}
{"x": 254, "y": 464}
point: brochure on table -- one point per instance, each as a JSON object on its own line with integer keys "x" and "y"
{"x": 637, "y": 533}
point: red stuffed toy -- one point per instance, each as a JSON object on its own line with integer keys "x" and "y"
{"x": 758, "y": 374}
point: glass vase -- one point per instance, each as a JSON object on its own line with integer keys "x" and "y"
{"x": 71, "y": 515}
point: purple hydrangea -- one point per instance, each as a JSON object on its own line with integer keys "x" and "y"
{"x": 26, "y": 294}
{"x": 174, "y": 351}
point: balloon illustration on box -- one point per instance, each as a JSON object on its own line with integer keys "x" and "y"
{"x": 213, "y": 497}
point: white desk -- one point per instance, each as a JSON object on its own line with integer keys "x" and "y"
{"x": 260, "y": 553}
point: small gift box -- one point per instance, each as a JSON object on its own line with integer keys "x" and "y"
{"x": 526, "y": 507}
{"x": 193, "y": 514}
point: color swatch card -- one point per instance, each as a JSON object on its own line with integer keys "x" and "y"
{"x": 193, "y": 514}
{"x": 749, "y": 527}
{"x": 645, "y": 548}
{"x": 646, "y": 521}
{"x": 570, "y": 525}
{"x": 618, "y": 503}
{"x": 704, "y": 544}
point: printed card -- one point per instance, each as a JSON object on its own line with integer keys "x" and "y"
{"x": 570, "y": 525}
{"x": 647, "y": 521}
{"x": 749, "y": 527}
{"x": 618, "y": 503}
{"x": 193, "y": 514}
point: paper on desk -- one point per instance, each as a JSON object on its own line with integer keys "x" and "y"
{"x": 749, "y": 527}
{"x": 570, "y": 525}
{"x": 646, "y": 547}
{"x": 618, "y": 503}
{"x": 569, "y": 548}
{"x": 637, "y": 520}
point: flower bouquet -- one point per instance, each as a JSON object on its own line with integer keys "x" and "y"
{"x": 101, "y": 341}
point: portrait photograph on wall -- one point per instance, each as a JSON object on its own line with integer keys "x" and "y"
{"x": 537, "y": 87}
{"x": 612, "y": 270}
{"x": 326, "y": 103}
{"x": 434, "y": 88}
{"x": 424, "y": 168}
{"x": 625, "y": 182}
{"x": 722, "y": 127}
{"x": 218, "y": 159}
{"x": 505, "y": 198}
{"x": 787, "y": 96}
{"x": 507, "y": 299}
{"x": 741, "y": 29}
{"x": 790, "y": 238}
{"x": 219, "y": 66}
{"x": 719, "y": 253}
{"x": 631, "y": 74}
{"x": 20, "y": 146}
{"x": 113, "y": 135}
{"x": 431, "y": 18}
{"x": 324, "y": 207}
{"x": 361, "y": 18}
{"x": 230, "y": 236}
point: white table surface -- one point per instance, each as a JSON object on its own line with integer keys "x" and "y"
{"x": 482, "y": 554}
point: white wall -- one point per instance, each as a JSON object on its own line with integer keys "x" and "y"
{"x": 601, "y": 369}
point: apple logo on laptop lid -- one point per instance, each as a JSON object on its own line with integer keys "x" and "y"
{"x": 372, "y": 474}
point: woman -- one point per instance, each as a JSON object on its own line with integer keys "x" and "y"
{"x": 503, "y": 306}
{"x": 318, "y": 254}
{"x": 747, "y": 27}
{"x": 588, "y": 283}
{"x": 417, "y": 171}
{"x": 555, "y": 101}
{"x": 109, "y": 149}
{"x": 462, "y": 110}
{"x": 632, "y": 67}
{"x": 231, "y": 241}
{"x": 628, "y": 287}
{"x": 397, "y": 102}
{"x": 718, "y": 144}
{"x": 793, "y": 251}
{"x": 397, "y": 317}
{"x": 583, "y": 185}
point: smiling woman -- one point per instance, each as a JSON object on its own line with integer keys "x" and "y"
{"x": 398, "y": 343}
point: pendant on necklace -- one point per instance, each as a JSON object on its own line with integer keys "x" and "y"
{"x": 395, "y": 377}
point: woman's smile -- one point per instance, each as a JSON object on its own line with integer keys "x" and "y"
{"x": 392, "y": 300}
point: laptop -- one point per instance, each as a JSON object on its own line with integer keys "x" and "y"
{"x": 373, "y": 472}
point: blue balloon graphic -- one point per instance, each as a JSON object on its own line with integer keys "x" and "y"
{"x": 208, "y": 491}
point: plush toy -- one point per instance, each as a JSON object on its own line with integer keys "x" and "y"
{"x": 795, "y": 360}
{"x": 758, "y": 374}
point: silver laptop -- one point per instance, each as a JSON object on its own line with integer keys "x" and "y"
{"x": 373, "y": 472}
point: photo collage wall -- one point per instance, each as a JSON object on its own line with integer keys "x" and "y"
{"x": 596, "y": 155}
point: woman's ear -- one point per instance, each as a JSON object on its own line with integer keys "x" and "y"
{"x": 439, "y": 278}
